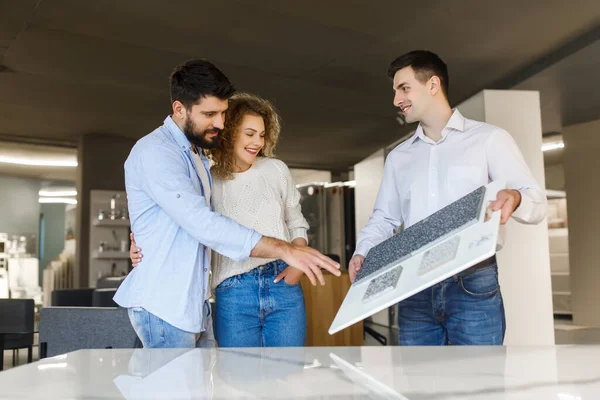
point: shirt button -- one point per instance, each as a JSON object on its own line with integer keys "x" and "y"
{"x": 178, "y": 196}
{"x": 205, "y": 269}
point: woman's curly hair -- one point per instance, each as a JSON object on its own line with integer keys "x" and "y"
{"x": 240, "y": 105}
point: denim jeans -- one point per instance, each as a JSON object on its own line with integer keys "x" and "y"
{"x": 462, "y": 310}
{"x": 153, "y": 332}
{"x": 252, "y": 311}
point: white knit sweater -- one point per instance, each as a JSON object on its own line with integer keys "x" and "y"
{"x": 263, "y": 198}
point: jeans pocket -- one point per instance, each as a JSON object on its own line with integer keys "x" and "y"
{"x": 482, "y": 283}
{"x": 228, "y": 284}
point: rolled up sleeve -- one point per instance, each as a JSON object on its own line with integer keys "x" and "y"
{"x": 506, "y": 163}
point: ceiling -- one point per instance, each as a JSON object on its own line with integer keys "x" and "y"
{"x": 569, "y": 92}
{"x": 73, "y": 67}
{"x": 569, "y": 88}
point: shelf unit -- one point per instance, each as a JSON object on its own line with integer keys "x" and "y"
{"x": 111, "y": 222}
{"x": 111, "y": 261}
{"x": 110, "y": 255}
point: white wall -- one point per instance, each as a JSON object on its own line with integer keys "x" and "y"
{"x": 367, "y": 174}
{"x": 19, "y": 205}
{"x": 524, "y": 262}
{"x": 555, "y": 177}
{"x": 302, "y": 176}
{"x": 582, "y": 163}
{"x": 474, "y": 107}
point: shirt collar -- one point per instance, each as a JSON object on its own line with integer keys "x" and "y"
{"x": 177, "y": 134}
{"x": 456, "y": 122}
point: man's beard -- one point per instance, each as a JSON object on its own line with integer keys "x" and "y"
{"x": 201, "y": 140}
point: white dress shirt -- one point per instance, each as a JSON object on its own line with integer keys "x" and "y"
{"x": 421, "y": 177}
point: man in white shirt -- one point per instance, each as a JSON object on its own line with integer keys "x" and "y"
{"x": 448, "y": 157}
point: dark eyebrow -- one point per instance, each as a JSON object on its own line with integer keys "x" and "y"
{"x": 400, "y": 86}
{"x": 250, "y": 129}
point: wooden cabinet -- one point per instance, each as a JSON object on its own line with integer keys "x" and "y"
{"x": 322, "y": 304}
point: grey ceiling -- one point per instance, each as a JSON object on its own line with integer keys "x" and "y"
{"x": 569, "y": 89}
{"x": 75, "y": 67}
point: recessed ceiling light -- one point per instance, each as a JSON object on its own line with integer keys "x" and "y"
{"x": 58, "y": 192}
{"x": 38, "y": 162}
{"x": 57, "y": 200}
{"x": 552, "y": 146}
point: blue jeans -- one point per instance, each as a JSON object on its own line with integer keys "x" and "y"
{"x": 157, "y": 333}
{"x": 462, "y": 310}
{"x": 252, "y": 311}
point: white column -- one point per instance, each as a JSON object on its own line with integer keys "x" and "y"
{"x": 524, "y": 262}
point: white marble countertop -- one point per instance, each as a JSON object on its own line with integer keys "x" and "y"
{"x": 561, "y": 373}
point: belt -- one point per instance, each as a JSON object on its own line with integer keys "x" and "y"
{"x": 481, "y": 265}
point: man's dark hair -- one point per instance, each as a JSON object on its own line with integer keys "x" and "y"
{"x": 195, "y": 79}
{"x": 425, "y": 64}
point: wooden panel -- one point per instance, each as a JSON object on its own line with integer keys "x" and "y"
{"x": 322, "y": 303}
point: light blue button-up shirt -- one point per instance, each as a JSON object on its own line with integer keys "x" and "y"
{"x": 174, "y": 226}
